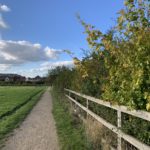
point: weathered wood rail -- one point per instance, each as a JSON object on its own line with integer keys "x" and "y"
{"x": 120, "y": 109}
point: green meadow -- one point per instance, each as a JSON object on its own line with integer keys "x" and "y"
{"x": 15, "y": 103}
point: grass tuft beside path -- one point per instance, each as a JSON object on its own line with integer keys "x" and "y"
{"x": 70, "y": 130}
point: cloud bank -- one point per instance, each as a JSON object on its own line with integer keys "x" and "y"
{"x": 4, "y": 67}
{"x": 20, "y": 52}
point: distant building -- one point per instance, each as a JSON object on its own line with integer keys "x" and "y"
{"x": 7, "y": 79}
{"x": 12, "y": 78}
{"x": 36, "y": 79}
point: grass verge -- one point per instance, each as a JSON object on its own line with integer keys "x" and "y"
{"x": 70, "y": 130}
{"x": 7, "y": 124}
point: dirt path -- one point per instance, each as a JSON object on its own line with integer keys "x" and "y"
{"x": 38, "y": 131}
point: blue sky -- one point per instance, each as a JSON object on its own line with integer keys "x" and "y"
{"x": 47, "y": 27}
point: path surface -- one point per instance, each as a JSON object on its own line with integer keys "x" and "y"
{"x": 38, "y": 131}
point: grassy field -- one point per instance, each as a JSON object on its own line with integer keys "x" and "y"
{"x": 15, "y": 104}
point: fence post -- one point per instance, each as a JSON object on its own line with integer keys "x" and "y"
{"x": 70, "y": 101}
{"x": 119, "y": 126}
{"x": 87, "y": 103}
{"x": 75, "y": 107}
{"x": 87, "y": 106}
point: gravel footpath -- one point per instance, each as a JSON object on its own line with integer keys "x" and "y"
{"x": 38, "y": 131}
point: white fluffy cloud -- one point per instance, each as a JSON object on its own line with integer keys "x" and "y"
{"x": 19, "y": 52}
{"x": 4, "y": 8}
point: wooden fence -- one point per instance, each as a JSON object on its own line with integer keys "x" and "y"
{"x": 116, "y": 129}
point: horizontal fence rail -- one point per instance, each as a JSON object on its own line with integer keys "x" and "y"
{"x": 120, "y": 109}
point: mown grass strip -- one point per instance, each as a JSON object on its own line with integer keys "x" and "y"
{"x": 8, "y": 123}
{"x": 12, "y": 96}
{"x": 10, "y": 112}
{"x": 70, "y": 130}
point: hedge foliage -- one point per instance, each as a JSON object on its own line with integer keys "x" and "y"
{"x": 117, "y": 66}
